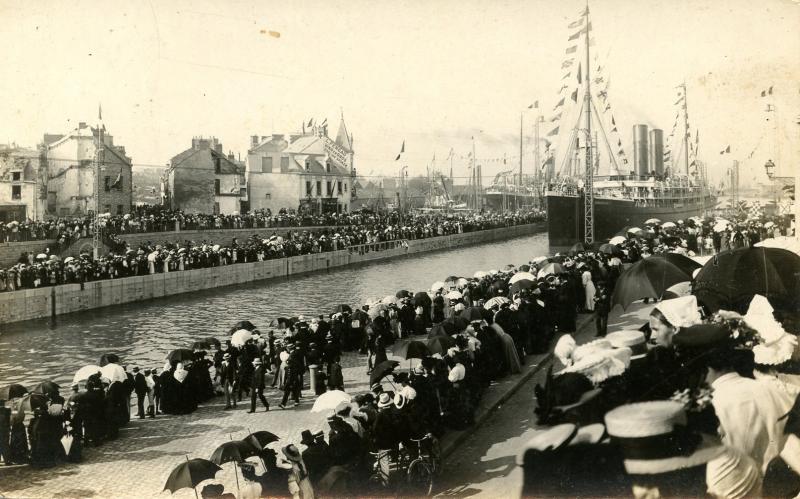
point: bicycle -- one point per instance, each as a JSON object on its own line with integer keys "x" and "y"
{"x": 424, "y": 465}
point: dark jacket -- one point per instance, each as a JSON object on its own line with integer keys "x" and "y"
{"x": 139, "y": 384}
{"x": 258, "y": 377}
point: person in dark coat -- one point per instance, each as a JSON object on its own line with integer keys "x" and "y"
{"x": 227, "y": 378}
{"x": 335, "y": 378}
{"x": 156, "y": 392}
{"x": 317, "y": 456}
{"x": 294, "y": 372}
{"x": 602, "y": 306}
{"x": 438, "y": 308}
{"x": 18, "y": 442}
{"x": 140, "y": 387}
{"x": 406, "y": 316}
{"x": 5, "y": 433}
{"x": 45, "y": 431}
{"x": 257, "y": 388}
{"x": 420, "y": 322}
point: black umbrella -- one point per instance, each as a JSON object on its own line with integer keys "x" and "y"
{"x": 344, "y": 308}
{"x": 261, "y": 438}
{"x": 403, "y": 293}
{"x": 212, "y": 342}
{"x": 421, "y": 299}
{"x": 411, "y": 350}
{"x": 440, "y": 344}
{"x": 522, "y": 284}
{"x": 33, "y": 400}
{"x": 610, "y": 249}
{"x": 180, "y": 355}
{"x": 190, "y": 473}
{"x": 382, "y": 370}
{"x": 235, "y": 450}
{"x": 243, "y": 325}
{"x": 200, "y": 345}
{"x": 109, "y": 358}
{"x": 684, "y": 263}
{"x": 47, "y": 388}
{"x": 730, "y": 279}
{"x": 524, "y": 268}
{"x": 648, "y": 278}
{"x": 440, "y": 330}
{"x": 12, "y": 391}
{"x": 472, "y": 314}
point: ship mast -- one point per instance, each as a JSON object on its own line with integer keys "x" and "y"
{"x": 588, "y": 185}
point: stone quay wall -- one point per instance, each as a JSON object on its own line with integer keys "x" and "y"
{"x": 29, "y": 304}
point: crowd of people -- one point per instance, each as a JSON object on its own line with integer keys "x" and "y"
{"x": 48, "y": 269}
{"x": 640, "y": 408}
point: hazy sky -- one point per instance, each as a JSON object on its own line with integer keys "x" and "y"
{"x": 431, "y": 72}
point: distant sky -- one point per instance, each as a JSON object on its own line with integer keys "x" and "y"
{"x": 431, "y": 72}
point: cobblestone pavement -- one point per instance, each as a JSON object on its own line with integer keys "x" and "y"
{"x": 137, "y": 464}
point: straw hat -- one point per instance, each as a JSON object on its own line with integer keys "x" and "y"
{"x": 598, "y": 367}
{"x": 457, "y": 373}
{"x": 291, "y": 453}
{"x": 384, "y": 400}
{"x": 654, "y": 438}
{"x": 632, "y": 339}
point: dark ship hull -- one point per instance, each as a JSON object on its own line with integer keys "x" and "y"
{"x": 565, "y": 216}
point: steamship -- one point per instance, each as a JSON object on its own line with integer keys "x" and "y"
{"x": 588, "y": 165}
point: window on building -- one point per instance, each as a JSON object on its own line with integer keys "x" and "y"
{"x": 284, "y": 163}
{"x": 217, "y": 166}
{"x": 107, "y": 208}
{"x": 216, "y": 186}
{"x": 216, "y": 208}
{"x": 308, "y": 165}
{"x": 328, "y": 166}
{"x": 16, "y": 192}
{"x": 329, "y": 186}
{"x": 268, "y": 196}
{"x": 345, "y": 186}
{"x": 266, "y": 164}
{"x": 16, "y": 176}
{"x": 309, "y": 189}
{"x": 339, "y": 187}
{"x": 107, "y": 183}
{"x": 319, "y": 188}
{"x": 119, "y": 209}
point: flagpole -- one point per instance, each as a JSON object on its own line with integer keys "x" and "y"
{"x": 96, "y": 236}
{"x": 516, "y": 193}
{"x": 685, "y": 127}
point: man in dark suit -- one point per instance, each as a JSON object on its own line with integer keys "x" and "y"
{"x": 140, "y": 387}
{"x": 259, "y": 382}
{"x": 227, "y": 373}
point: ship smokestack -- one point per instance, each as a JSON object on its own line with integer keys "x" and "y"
{"x": 640, "y": 154}
{"x": 657, "y": 151}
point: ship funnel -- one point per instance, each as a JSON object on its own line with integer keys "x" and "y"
{"x": 657, "y": 151}
{"x": 640, "y": 155}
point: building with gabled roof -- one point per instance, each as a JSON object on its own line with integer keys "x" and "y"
{"x": 71, "y": 172}
{"x": 309, "y": 172}
{"x": 203, "y": 179}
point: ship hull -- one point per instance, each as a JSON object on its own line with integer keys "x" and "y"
{"x": 498, "y": 202}
{"x": 565, "y": 216}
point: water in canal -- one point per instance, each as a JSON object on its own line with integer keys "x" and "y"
{"x": 143, "y": 333}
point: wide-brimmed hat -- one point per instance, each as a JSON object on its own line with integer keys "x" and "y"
{"x": 598, "y": 366}
{"x": 291, "y": 453}
{"x": 385, "y": 400}
{"x": 306, "y": 438}
{"x": 629, "y": 338}
{"x": 400, "y": 400}
{"x": 654, "y": 438}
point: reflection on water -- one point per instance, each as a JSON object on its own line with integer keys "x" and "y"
{"x": 143, "y": 333}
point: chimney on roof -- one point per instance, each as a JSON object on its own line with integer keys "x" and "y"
{"x": 231, "y": 156}
{"x": 253, "y": 140}
{"x": 82, "y": 124}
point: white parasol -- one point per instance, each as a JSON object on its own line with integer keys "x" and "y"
{"x": 329, "y": 400}
{"x": 520, "y": 276}
{"x": 453, "y": 295}
{"x": 84, "y": 372}
{"x": 114, "y": 373}
{"x": 240, "y": 337}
